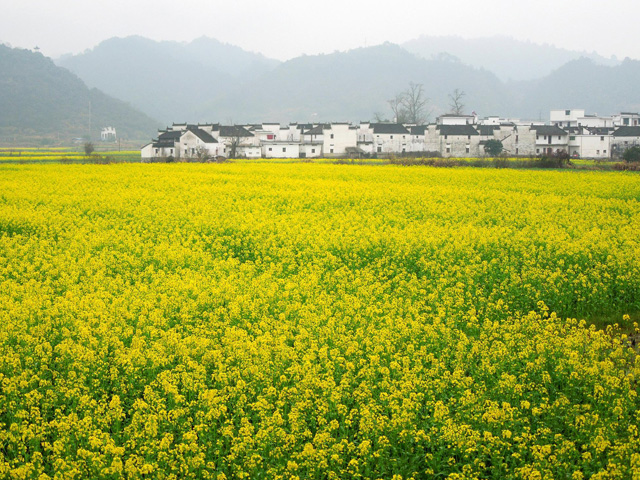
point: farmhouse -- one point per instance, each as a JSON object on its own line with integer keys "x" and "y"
{"x": 570, "y": 131}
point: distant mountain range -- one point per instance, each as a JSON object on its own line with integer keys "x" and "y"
{"x": 506, "y": 57}
{"x": 207, "y": 81}
{"x": 170, "y": 81}
{"x": 39, "y": 99}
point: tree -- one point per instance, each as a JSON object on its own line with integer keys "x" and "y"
{"x": 397, "y": 107}
{"x": 88, "y": 148}
{"x": 234, "y": 146}
{"x": 414, "y": 104}
{"x": 455, "y": 101}
{"x": 410, "y": 106}
{"x": 632, "y": 154}
{"x": 493, "y": 148}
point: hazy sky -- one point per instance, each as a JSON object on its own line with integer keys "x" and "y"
{"x": 285, "y": 29}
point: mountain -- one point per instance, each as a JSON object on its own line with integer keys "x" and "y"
{"x": 38, "y": 98}
{"x": 584, "y": 84}
{"x": 508, "y": 58}
{"x": 352, "y": 86}
{"x": 167, "y": 80}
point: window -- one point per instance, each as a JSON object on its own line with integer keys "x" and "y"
{"x": 172, "y": 151}
{"x": 559, "y": 137}
{"x": 157, "y": 150}
{"x": 602, "y": 139}
{"x": 625, "y": 121}
{"x": 379, "y": 149}
{"x": 270, "y": 149}
{"x": 446, "y": 137}
{"x": 537, "y": 150}
{"x": 391, "y": 137}
{"x": 403, "y": 137}
{"x": 448, "y": 149}
{"x": 468, "y": 149}
{"x": 597, "y": 152}
{"x": 517, "y": 138}
{"x": 332, "y": 135}
{"x": 604, "y": 152}
{"x": 572, "y": 137}
{"x": 468, "y": 137}
{"x": 545, "y": 137}
{"x": 284, "y": 149}
{"x": 517, "y": 151}
{"x": 271, "y": 137}
{"x": 313, "y": 150}
{"x": 567, "y": 112}
{"x": 537, "y": 137}
{"x": 404, "y": 150}
{"x": 331, "y": 151}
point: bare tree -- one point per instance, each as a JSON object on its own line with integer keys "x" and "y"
{"x": 234, "y": 146}
{"x": 414, "y": 104}
{"x": 410, "y": 106}
{"x": 455, "y": 101}
{"x": 398, "y": 108}
{"x": 380, "y": 118}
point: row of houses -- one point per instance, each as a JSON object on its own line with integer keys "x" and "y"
{"x": 569, "y": 131}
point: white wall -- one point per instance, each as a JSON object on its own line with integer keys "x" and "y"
{"x": 337, "y": 138}
{"x": 281, "y": 150}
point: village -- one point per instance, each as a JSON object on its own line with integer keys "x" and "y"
{"x": 571, "y": 132}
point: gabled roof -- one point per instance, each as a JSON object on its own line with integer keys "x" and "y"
{"x": 389, "y": 129}
{"x": 234, "y": 131}
{"x": 202, "y": 135}
{"x": 173, "y": 135}
{"x": 599, "y": 130}
{"x": 627, "y": 132}
{"x": 418, "y": 129}
{"x": 487, "y": 129}
{"x": 317, "y": 130}
{"x": 459, "y": 130}
{"x": 549, "y": 130}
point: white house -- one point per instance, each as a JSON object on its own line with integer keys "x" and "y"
{"x": 566, "y": 118}
{"x": 339, "y": 139}
{"x": 389, "y": 138}
{"x": 550, "y": 139}
{"x": 590, "y": 142}
{"x": 190, "y": 142}
{"x": 278, "y": 149}
{"x": 108, "y": 134}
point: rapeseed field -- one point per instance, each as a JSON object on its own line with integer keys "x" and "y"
{"x": 301, "y": 321}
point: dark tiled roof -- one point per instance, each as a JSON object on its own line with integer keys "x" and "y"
{"x": 548, "y": 130}
{"x": 599, "y": 130}
{"x": 170, "y": 136}
{"x": 234, "y": 131}
{"x": 627, "y": 132}
{"x": 389, "y": 128}
{"x": 487, "y": 129}
{"x": 318, "y": 130}
{"x": 204, "y": 136}
{"x": 418, "y": 130}
{"x": 459, "y": 130}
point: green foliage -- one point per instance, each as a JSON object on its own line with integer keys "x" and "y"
{"x": 88, "y": 148}
{"x": 632, "y": 154}
{"x": 493, "y": 147}
{"x": 38, "y": 98}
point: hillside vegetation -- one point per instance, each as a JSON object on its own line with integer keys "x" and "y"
{"x": 41, "y": 100}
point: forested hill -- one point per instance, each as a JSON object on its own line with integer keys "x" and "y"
{"x": 168, "y": 80}
{"x": 40, "y": 99}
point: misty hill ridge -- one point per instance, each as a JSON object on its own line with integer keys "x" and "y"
{"x": 39, "y": 98}
{"x": 508, "y": 58}
{"x": 352, "y": 86}
{"x": 168, "y": 80}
